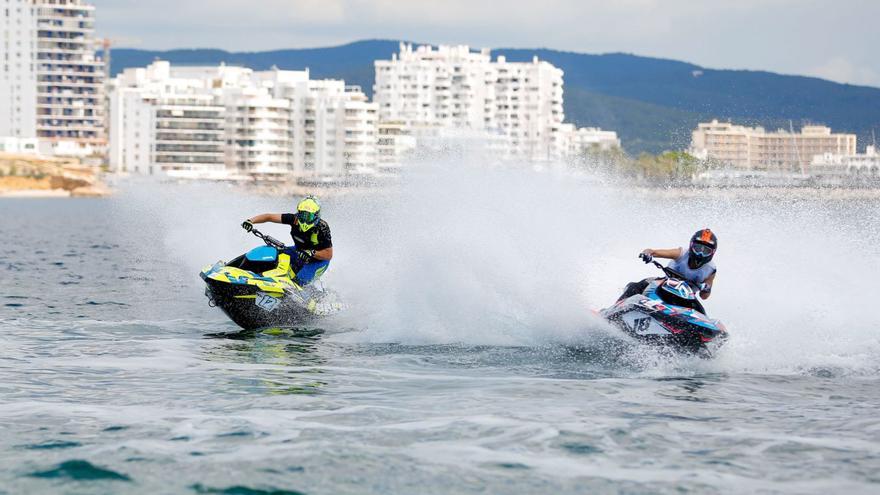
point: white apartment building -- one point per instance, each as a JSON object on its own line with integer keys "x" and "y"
{"x": 855, "y": 165}
{"x": 211, "y": 121}
{"x": 528, "y": 107}
{"x": 18, "y": 80}
{"x": 518, "y": 104}
{"x": 753, "y": 148}
{"x": 427, "y": 88}
{"x": 335, "y": 128}
{"x": 165, "y": 121}
{"x": 259, "y": 135}
{"x": 52, "y": 85}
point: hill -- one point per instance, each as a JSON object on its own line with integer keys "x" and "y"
{"x": 652, "y": 103}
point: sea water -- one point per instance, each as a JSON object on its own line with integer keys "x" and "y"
{"x": 468, "y": 361}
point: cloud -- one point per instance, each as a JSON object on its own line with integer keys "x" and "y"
{"x": 842, "y": 70}
{"x": 791, "y": 36}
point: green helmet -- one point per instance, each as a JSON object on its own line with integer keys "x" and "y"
{"x": 308, "y": 213}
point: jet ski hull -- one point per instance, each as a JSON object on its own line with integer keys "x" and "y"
{"x": 250, "y": 308}
{"x": 649, "y": 319}
{"x": 268, "y": 299}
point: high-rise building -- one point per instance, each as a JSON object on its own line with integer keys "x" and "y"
{"x": 454, "y": 88}
{"x": 164, "y": 121}
{"x": 753, "y": 148}
{"x": 336, "y": 128}
{"x": 447, "y": 87}
{"x": 18, "y": 79}
{"x": 528, "y": 107}
{"x": 52, "y": 84}
{"x": 259, "y": 136}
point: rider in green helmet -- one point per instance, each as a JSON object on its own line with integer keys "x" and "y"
{"x": 313, "y": 247}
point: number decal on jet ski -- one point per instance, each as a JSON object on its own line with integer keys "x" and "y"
{"x": 266, "y": 302}
{"x": 640, "y": 325}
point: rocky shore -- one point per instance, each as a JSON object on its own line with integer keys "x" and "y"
{"x": 39, "y": 176}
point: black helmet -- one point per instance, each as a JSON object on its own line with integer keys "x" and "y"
{"x": 702, "y": 249}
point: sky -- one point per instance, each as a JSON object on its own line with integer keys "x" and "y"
{"x": 836, "y": 40}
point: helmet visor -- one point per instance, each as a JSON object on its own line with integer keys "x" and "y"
{"x": 701, "y": 250}
{"x": 306, "y": 217}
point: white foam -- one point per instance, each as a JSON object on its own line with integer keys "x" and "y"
{"x": 466, "y": 253}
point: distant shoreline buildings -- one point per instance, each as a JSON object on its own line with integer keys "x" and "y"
{"x": 517, "y": 107}
{"x": 755, "y": 149}
{"x": 211, "y": 122}
{"x": 219, "y": 121}
{"x": 855, "y": 165}
{"x": 225, "y": 121}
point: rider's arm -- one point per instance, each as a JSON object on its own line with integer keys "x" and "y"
{"x": 266, "y": 217}
{"x": 709, "y": 281}
{"x": 671, "y": 254}
{"x": 325, "y": 254}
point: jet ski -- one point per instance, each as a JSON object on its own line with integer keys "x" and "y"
{"x": 258, "y": 289}
{"x": 668, "y": 314}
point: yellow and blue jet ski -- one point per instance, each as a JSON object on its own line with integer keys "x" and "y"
{"x": 258, "y": 289}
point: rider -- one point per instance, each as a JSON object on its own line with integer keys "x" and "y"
{"x": 695, "y": 264}
{"x": 312, "y": 249}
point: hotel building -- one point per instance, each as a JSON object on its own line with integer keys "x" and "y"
{"x": 753, "y": 148}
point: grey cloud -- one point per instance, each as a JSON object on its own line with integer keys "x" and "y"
{"x": 833, "y": 40}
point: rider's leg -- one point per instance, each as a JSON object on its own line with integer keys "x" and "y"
{"x": 311, "y": 271}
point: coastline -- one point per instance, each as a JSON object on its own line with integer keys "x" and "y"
{"x": 35, "y": 176}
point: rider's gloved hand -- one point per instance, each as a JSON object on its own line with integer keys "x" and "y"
{"x": 247, "y": 225}
{"x": 646, "y": 256}
{"x": 305, "y": 255}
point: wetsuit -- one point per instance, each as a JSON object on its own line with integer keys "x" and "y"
{"x": 314, "y": 239}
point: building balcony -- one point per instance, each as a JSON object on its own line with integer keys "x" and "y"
{"x": 81, "y": 43}
{"x": 77, "y": 103}
{"x": 217, "y": 154}
{"x": 44, "y": 27}
{"x": 84, "y": 52}
{"x": 188, "y": 162}
{"x": 44, "y": 126}
{"x": 216, "y": 122}
{"x": 67, "y": 9}
{"x": 83, "y": 73}
{"x": 49, "y": 85}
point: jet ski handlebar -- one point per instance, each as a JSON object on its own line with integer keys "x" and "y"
{"x": 269, "y": 240}
{"x": 666, "y": 270}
